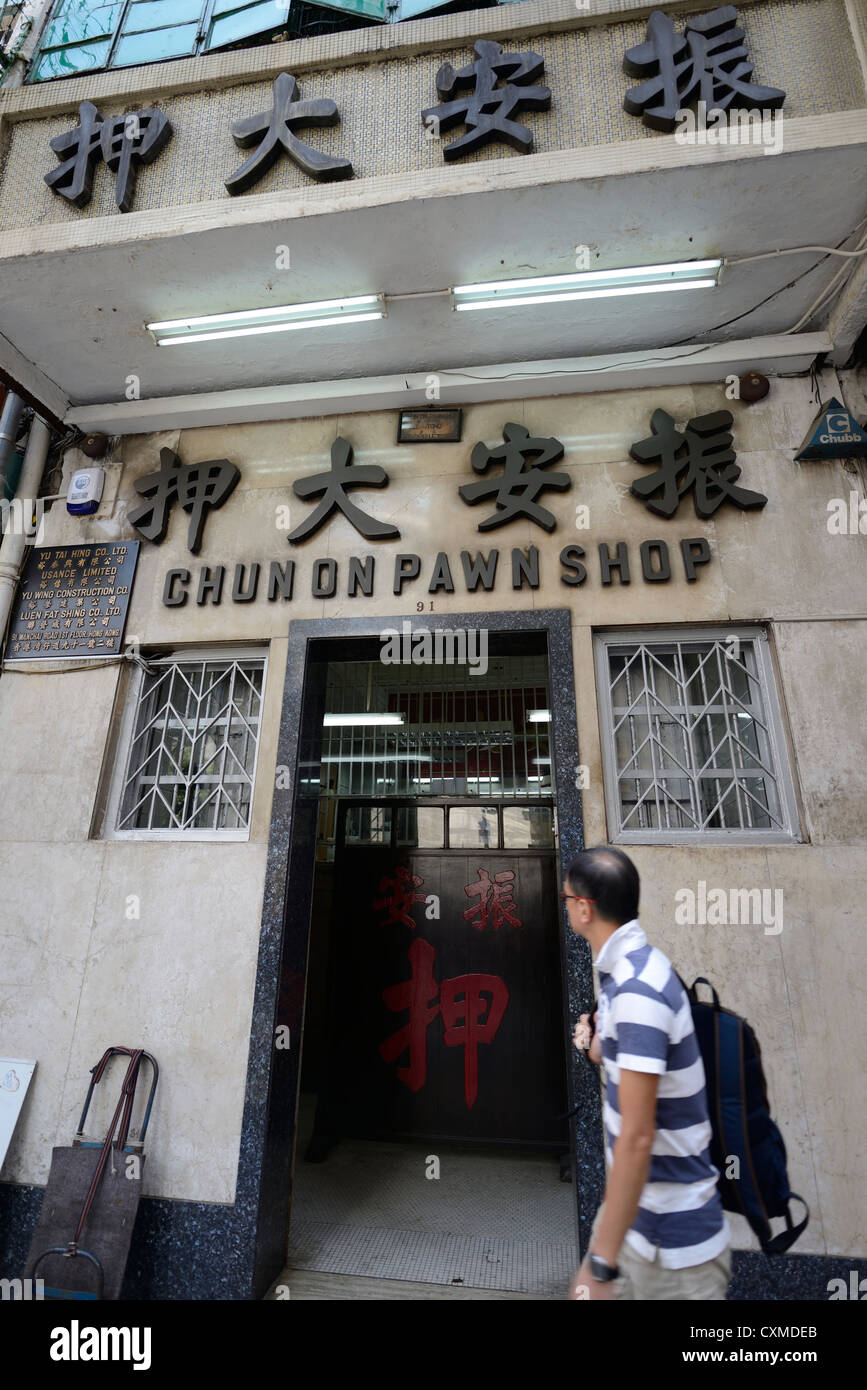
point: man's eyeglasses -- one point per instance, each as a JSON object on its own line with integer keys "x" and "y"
{"x": 579, "y": 897}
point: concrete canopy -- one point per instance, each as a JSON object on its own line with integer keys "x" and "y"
{"x": 76, "y": 296}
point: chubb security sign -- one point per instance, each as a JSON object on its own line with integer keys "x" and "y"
{"x": 834, "y": 434}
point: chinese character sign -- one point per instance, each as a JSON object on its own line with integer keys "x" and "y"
{"x": 199, "y": 487}
{"x": 442, "y": 1018}
{"x": 495, "y": 904}
{"x": 470, "y": 1018}
{"x": 273, "y": 133}
{"x": 486, "y": 108}
{"x": 471, "y": 1009}
{"x": 332, "y": 488}
{"x": 708, "y": 62}
{"x": 122, "y": 142}
{"x": 419, "y": 997}
{"x": 517, "y": 488}
{"x": 468, "y": 1015}
{"x": 701, "y": 458}
{"x": 398, "y": 896}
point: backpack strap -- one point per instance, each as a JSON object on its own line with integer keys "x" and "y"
{"x": 693, "y": 993}
{"x": 778, "y": 1244}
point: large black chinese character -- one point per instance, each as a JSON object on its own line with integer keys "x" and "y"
{"x": 331, "y": 487}
{"x": 487, "y": 108}
{"x": 701, "y": 458}
{"x": 708, "y": 62}
{"x": 273, "y": 129}
{"x": 123, "y": 142}
{"x": 518, "y": 487}
{"x": 199, "y": 487}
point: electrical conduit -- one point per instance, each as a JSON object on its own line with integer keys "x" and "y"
{"x": 15, "y": 544}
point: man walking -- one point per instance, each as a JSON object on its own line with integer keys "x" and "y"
{"x": 660, "y": 1232}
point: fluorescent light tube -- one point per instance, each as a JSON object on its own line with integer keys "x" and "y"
{"x": 539, "y": 716}
{"x": 322, "y": 313}
{"x": 337, "y": 721}
{"x": 376, "y": 759}
{"x": 591, "y": 284}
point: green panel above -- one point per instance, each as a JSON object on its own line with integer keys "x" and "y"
{"x": 156, "y": 14}
{"x": 230, "y": 25}
{"x": 367, "y": 9}
{"x": 75, "y": 24}
{"x": 155, "y": 45}
{"x": 411, "y": 9}
{"x": 66, "y": 62}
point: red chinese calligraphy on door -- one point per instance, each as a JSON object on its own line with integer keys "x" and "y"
{"x": 446, "y": 993}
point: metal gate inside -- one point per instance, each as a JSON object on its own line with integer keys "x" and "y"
{"x": 433, "y": 1070}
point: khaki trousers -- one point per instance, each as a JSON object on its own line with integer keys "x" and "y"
{"x": 648, "y": 1279}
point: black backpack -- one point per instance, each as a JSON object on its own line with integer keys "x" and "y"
{"x": 740, "y": 1117}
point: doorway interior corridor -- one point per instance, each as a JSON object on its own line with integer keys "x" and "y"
{"x": 430, "y": 1142}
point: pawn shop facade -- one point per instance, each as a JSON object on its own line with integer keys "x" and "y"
{"x": 377, "y": 624}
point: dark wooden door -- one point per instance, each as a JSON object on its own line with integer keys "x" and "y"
{"x": 446, "y": 1012}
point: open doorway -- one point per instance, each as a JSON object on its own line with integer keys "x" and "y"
{"x": 430, "y": 1143}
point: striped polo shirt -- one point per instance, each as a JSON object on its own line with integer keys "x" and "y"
{"x": 645, "y": 1024}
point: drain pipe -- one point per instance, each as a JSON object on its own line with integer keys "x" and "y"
{"x": 12, "y": 552}
{"x": 10, "y": 422}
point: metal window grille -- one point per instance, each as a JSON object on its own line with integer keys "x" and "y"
{"x": 192, "y": 757}
{"x": 694, "y": 743}
{"x": 8, "y": 15}
{"x": 458, "y": 735}
{"x": 11, "y": 33}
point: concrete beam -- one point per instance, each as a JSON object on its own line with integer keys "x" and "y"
{"x": 505, "y": 381}
{"x": 848, "y": 316}
{"x": 21, "y": 375}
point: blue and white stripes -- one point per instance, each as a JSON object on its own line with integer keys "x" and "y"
{"x": 645, "y": 1024}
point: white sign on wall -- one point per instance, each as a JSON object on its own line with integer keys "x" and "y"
{"x": 15, "y": 1077}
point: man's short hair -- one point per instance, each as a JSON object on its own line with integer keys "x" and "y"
{"x": 610, "y": 878}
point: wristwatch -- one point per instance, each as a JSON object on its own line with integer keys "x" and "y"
{"x": 602, "y": 1271}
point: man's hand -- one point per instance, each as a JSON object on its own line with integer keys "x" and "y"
{"x": 596, "y": 1292}
{"x": 581, "y": 1037}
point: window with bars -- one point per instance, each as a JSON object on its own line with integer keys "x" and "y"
{"x": 433, "y": 731}
{"x": 693, "y": 744}
{"x": 417, "y": 732}
{"x": 192, "y": 738}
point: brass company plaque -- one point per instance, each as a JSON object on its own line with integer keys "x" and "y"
{"x": 437, "y": 426}
{"x": 72, "y": 601}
